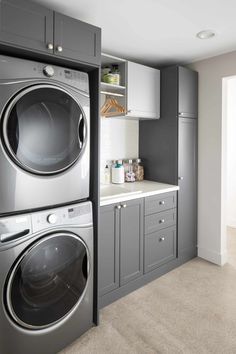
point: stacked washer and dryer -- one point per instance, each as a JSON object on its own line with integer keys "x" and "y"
{"x": 46, "y": 228}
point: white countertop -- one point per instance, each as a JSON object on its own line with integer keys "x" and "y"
{"x": 116, "y": 193}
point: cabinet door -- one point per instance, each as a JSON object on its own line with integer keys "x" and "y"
{"x": 108, "y": 249}
{"x": 143, "y": 91}
{"x": 131, "y": 240}
{"x": 26, "y": 24}
{"x": 188, "y": 86}
{"x": 160, "y": 248}
{"x": 77, "y": 40}
{"x": 187, "y": 195}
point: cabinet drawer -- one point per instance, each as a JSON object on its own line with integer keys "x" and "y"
{"x": 160, "y": 248}
{"x": 160, "y": 221}
{"x": 160, "y": 202}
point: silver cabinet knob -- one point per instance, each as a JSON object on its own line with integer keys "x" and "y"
{"x": 181, "y": 178}
{"x": 59, "y": 49}
{"x": 52, "y": 218}
{"x": 161, "y": 202}
{"x": 161, "y": 221}
{"x": 162, "y": 239}
{"x": 50, "y": 46}
{"x": 118, "y": 207}
{"x": 124, "y": 206}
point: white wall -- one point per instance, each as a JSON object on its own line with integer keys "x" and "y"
{"x": 230, "y": 100}
{"x": 119, "y": 139}
{"x": 211, "y": 152}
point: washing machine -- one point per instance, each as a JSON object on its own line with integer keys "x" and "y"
{"x": 44, "y": 135}
{"x": 46, "y": 279}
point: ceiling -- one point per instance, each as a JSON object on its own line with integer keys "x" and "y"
{"x": 157, "y": 32}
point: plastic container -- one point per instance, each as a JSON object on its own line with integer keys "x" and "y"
{"x": 107, "y": 175}
{"x": 130, "y": 175}
{"x": 138, "y": 170}
{"x": 118, "y": 173}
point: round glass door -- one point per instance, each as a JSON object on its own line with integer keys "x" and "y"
{"x": 48, "y": 281}
{"x": 44, "y": 129}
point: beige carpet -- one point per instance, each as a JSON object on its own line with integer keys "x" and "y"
{"x": 189, "y": 310}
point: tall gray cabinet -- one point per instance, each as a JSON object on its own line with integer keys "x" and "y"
{"x": 168, "y": 148}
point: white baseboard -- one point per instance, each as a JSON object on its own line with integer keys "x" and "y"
{"x": 231, "y": 223}
{"x": 212, "y": 256}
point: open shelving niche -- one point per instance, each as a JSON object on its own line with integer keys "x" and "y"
{"x": 116, "y": 91}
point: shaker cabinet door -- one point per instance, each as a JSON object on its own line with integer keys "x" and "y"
{"x": 26, "y": 24}
{"x": 143, "y": 91}
{"x": 77, "y": 40}
{"x": 108, "y": 250}
{"x": 131, "y": 240}
{"x": 188, "y": 93}
{"x": 187, "y": 195}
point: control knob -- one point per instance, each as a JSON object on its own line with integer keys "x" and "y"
{"x": 52, "y": 218}
{"x": 48, "y": 71}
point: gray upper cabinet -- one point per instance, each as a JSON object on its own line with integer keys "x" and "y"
{"x": 131, "y": 240}
{"x": 108, "y": 250}
{"x": 143, "y": 91}
{"x": 188, "y": 87}
{"x": 75, "y": 39}
{"x": 26, "y": 24}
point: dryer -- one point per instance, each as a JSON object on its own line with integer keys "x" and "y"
{"x": 46, "y": 279}
{"x": 45, "y": 135}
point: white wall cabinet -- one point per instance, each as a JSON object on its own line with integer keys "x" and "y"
{"x": 143, "y": 91}
{"x": 139, "y": 92}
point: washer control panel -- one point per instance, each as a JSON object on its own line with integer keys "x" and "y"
{"x": 78, "y": 214}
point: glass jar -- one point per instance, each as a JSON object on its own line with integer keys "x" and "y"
{"x": 138, "y": 170}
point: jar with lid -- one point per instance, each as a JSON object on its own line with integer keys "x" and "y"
{"x": 130, "y": 176}
{"x": 138, "y": 170}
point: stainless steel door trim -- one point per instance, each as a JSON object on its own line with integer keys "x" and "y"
{"x": 6, "y": 115}
{"x": 37, "y": 81}
{"x": 45, "y": 237}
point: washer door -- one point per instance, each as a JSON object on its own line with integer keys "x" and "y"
{"x": 48, "y": 281}
{"x": 44, "y": 129}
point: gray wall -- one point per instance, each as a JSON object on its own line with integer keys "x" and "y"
{"x": 211, "y": 151}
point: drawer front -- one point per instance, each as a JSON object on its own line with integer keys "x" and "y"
{"x": 159, "y": 248}
{"x": 160, "y": 221}
{"x": 160, "y": 202}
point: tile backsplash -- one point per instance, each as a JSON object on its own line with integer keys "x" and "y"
{"x": 119, "y": 139}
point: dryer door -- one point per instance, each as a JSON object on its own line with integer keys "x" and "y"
{"x": 48, "y": 281}
{"x": 44, "y": 129}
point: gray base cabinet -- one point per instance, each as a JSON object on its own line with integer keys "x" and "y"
{"x": 120, "y": 246}
{"x": 108, "y": 249}
{"x": 27, "y": 25}
{"x": 133, "y": 244}
{"x": 131, "y": 241}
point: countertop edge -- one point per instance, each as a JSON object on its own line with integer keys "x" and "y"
{"x": 137, "y": 196}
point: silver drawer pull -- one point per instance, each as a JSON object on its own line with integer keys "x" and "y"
{"x": 161, "y": 221}
{"x": 161, "y": 202}
{"x": 124, "y": 206}
{"x": 118, "y": 207}
{"x": 181, "y": 178}
{"x": 162, "y": 239}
